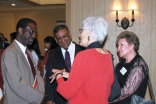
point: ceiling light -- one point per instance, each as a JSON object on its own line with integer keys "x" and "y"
{"x": 13, "y": 4}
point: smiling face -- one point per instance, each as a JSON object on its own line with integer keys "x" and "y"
{"x": 124, "y": 48}
{"x": 63, "y": 38}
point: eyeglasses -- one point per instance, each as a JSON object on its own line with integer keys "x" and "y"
{"x": 81, "y": 30}
{"x": 32, "y": 32}
{"x": 65, "y": 36}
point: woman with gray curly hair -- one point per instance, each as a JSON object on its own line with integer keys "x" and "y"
{"x": 91, "y": 76}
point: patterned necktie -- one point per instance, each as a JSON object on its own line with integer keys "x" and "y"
{"x": 30, "y": 62}
{"x": 67, "y": 59}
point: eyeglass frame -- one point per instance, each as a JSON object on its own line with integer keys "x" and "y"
{"x": 31, "y": 32}
{"x": 65, "y": 36}
{"x": 81, "y": 30}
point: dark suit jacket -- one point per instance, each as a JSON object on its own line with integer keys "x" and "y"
{"x": 56, "y": 61}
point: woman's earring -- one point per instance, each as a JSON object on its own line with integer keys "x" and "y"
{"x": 88, "y": 38}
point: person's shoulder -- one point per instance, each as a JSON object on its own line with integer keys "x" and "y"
{"x": 12, "y": 48}
{"x": 86, "y": 52}
{"x": 10, "y": 53}
{"x": 6, "y": 42}
{"x": 33, "y": 53}
{"x": 120, "y": 63}
{"x": 140, "y": 60}
{"x": 79, "y": 46}
{"x": 139, "y": 57}
{"x": 54, "y": 51}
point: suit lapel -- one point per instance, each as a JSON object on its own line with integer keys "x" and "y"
{"x": 23, "y": 59}
{"x": 78, "y": 48}
{"x": 60, "y": 57}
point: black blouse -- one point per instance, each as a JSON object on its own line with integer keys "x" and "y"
{"x": 132, "y": 78}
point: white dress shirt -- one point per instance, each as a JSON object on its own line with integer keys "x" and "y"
{"x": 71, "y": 50}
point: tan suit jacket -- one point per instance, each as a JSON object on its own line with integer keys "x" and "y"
{"x": 18, "y": 78}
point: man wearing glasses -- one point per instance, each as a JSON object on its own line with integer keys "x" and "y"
{"x": 60, "y": 58}
{"x": 23, "y": 83}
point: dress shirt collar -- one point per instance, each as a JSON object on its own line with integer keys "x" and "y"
{"x": 23, "y": 48}
{"x": 69, "y": 48}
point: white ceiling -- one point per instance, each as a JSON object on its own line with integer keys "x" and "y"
{"x": 6, "y": 4}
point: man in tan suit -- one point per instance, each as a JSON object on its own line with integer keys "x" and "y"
{"x": 17, "y": 70}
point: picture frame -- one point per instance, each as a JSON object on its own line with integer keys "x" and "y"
{"x": 60, "y": 23}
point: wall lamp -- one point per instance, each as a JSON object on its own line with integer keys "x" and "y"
{"x": 125, "y": 23}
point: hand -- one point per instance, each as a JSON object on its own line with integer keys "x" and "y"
{"x": 64, "y": 73}
{"x": 56, "y": 72}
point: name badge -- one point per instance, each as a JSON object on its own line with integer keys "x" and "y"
{"x": 123, "y": 71}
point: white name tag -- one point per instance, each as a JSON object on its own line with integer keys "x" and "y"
{"x": 123, "y": 71}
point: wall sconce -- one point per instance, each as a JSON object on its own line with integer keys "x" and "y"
{"x": 125, "y": 21}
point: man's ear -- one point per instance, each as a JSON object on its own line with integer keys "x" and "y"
{"x": 55, "y": 39}
{"x": 70, "y": 35}
{"x": 20, "y": 30}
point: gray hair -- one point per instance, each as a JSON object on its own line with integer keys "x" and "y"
{"x": 98, "y": 26}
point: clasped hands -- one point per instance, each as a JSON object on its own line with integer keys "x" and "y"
{"x": 58, "y": 73}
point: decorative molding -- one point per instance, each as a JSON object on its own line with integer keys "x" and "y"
{"x": 37, "y": 8}
{"x": 42, "y": 2}
{"x": 60, "y": 22}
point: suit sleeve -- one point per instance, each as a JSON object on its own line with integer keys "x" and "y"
{"x": 49, "y": 88}
{"x": 40, "y": 82}
{"x": 12, "y": 75}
